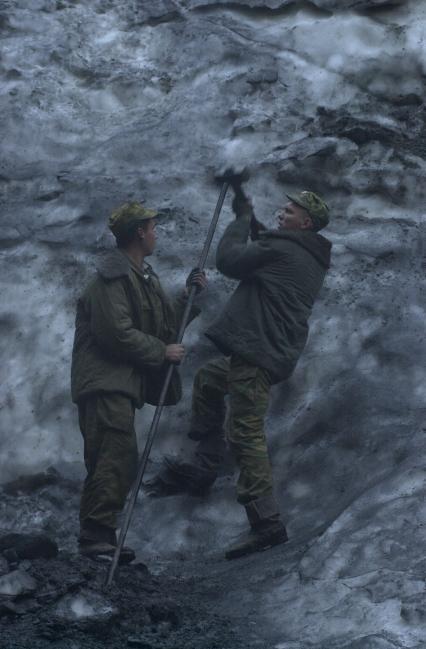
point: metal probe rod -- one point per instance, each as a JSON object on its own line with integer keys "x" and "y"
{"x": 130, "y": 505}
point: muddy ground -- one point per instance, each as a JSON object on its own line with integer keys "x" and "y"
{"x": 62, "y": 601}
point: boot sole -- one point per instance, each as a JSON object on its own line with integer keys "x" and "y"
{"x": 126, "y": 556}
{"x": 260, "y": 547}
{"x": 107, "y": 558}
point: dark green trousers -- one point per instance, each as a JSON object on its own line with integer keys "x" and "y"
{"x": 248, "y": 388}
{"x": 110, "y": 456}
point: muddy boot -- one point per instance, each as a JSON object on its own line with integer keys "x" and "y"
{"x": 179, "y": 476}
{"x": 99, "y": 542}
{"x": 267, "y": 529}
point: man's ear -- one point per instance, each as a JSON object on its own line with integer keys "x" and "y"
{"x": 141, "y": 233}
{"x": 307, "y": 224}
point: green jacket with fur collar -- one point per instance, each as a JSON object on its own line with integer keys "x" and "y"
{"x": 123, "y": 323}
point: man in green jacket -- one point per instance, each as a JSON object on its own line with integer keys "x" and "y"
{"x": 261, "y": 332}
{"x": 125, "y": 336}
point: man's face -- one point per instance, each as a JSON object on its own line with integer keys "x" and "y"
{"x": 148, "y": 237}
{"x": 294, "y": 217}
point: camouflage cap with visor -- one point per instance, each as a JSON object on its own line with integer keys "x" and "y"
{"x": 317, "y": 208}
{"x": 128, "y": 215}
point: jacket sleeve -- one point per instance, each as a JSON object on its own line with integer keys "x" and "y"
{"x": 179, "y": 307}
{"x": 255, "y": 228}
{"x": 112, "y": 327}
{"x": 236, "y": 259}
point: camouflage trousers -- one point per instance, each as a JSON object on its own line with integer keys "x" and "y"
{"x": 110, "y": 456}
{"x": 247, "y": 387}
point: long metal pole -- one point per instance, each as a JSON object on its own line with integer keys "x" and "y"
{"x": 130, "y": 505}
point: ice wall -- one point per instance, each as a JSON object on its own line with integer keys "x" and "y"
{"x": 104, "y": 101}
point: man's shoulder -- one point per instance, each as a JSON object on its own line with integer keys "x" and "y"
{"x": 113, "y": 264}
{"x": 111, "y": 270}
{"x": 311, "y": 242}
{"x": 276, "y": 240}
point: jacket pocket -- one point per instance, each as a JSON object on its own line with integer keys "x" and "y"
{"x": 145, "y": 313}
{"x": 249, "y": 384}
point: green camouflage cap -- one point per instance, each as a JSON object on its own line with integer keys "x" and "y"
{"x": 127, "y": 215}
{"x": 314, "y": 205}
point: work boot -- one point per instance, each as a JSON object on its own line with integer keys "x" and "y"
{"x": 255, "y": 540}
{"x": 98, "y": 541}
{"x": 267, "y": 529}
{"x": 177, "y": 476}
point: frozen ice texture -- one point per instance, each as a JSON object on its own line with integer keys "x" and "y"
{"x": 105, "y": 101}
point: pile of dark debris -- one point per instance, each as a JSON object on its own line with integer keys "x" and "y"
{"x": 52, "y": 597}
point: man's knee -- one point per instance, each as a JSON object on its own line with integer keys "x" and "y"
{"x": 208, "y": 404}
{"x": 199, "y": 381}
{"x": 210, "y": 381}
{"x": 246, "y": 429}
{"x": 121, "y": 454}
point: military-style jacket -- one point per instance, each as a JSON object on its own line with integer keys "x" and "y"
{"x": 266, "y": 319}
{"x": 124, "y": 322}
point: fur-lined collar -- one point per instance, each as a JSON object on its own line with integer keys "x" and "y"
{"x": 113, "y": 264}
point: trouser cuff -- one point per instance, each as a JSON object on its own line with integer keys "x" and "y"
{"x": 91, "y": 530}
{"x": 189, "y": 473}
{"x": 262, "y": 509}
{"x": 201, "y": 433}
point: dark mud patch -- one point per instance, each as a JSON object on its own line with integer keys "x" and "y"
{"x": 68, "y": 606}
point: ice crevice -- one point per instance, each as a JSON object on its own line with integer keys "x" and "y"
{"x": 284, "y": 8}
{"x": 262, "y": 10}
